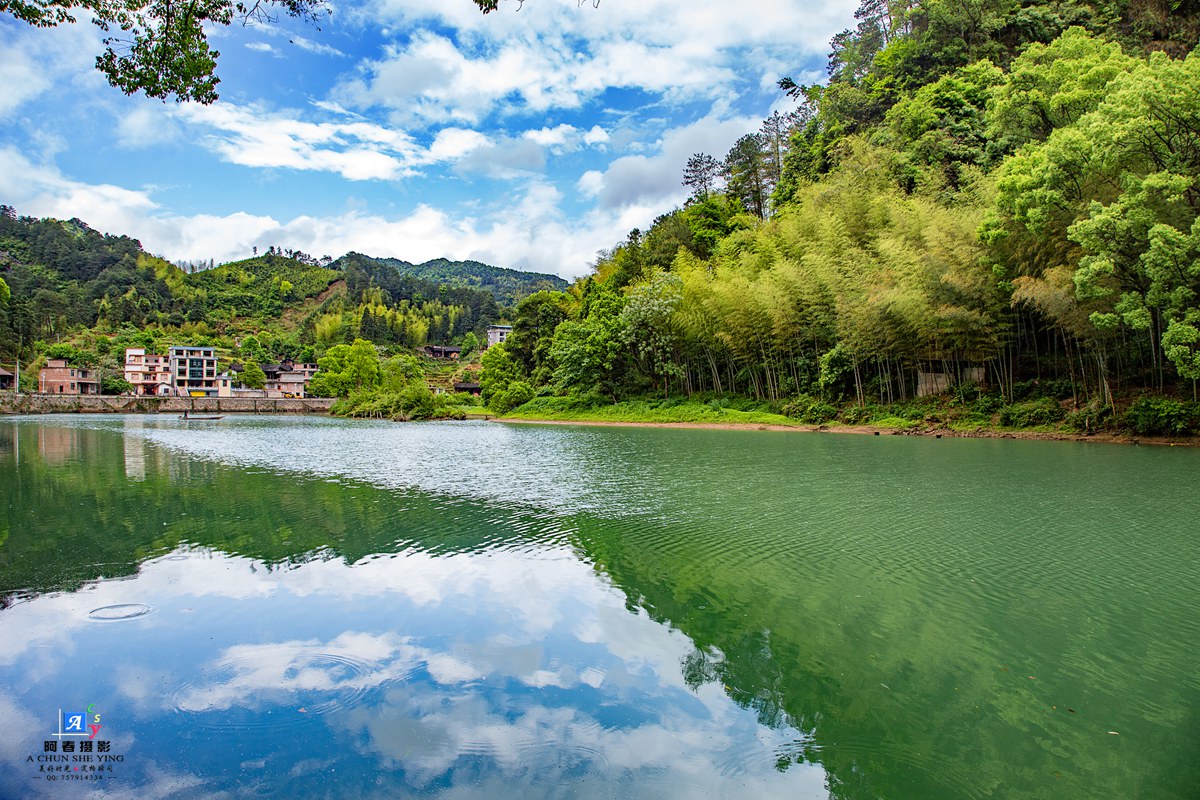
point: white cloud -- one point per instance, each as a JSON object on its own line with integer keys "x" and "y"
{"x": 335, "y": 108}
{"x": 316, "y": 47}
{"x": 596, "y": 135}
{"x": 262, "y": 47}
{"x": 527, "y": 232}
{"x": 656, "y": 179}
{"x": 705, "y": 28}
{"x": 590, "y": 183}
{"x": 435, "y": 80}
{"x": 560, "y": 136}
{"x": 31, "y": 64}
{"x": 146, "y": 125}
{"x": 41, "y": 190}
{"x": 355, "y": 149}
{"x": 253, "y": 137}
{"x": 555, "y": 56}
{"x": 451, "y": 144}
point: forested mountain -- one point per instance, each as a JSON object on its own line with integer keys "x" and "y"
{"x": 989, "y": 189}
{"x": 506, "y": 285}
{"x": 67, "y": 282}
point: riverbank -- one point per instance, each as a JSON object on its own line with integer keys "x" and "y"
{"x": 120, "y": 404}
{"x": 691, "y": 416}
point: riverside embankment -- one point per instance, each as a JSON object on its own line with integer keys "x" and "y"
{"x": 119, "y": 404}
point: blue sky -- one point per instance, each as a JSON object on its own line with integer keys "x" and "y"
{"x": 528, "y": 138}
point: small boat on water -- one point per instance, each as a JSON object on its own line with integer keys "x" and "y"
{"x": 193, "y": 418}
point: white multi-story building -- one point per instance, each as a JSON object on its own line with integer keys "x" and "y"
{"x": 497, "y": 334}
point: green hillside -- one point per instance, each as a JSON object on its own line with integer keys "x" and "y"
{"x": 506, "y": 285}
{"x": 72, "y": 292}
{"x": 994, "y": 200}
{"x": 259, "y": 285}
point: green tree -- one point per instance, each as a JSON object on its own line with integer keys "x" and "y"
{"x": 1123, "y": 184}
{"x": 1181, "y": 344}
{"x": 700, "y": 175}
{"x": 746, "y": 175}
{"x": 1050, "y": 86}
{"x": 517, "y": 394}
{"x": 588, "y": 354}
{"x": 941, "y": 128}
{"x": 63, "y": 350}
{"x": 345, "y": 369}
{"x": 251, "y": 348}
{"x": 711, "y": 220}
{"x": 499, "y": 371}
{"x": 470, "y": 343}
{"x": 115, "y": 384}
{"x": 649, "y": 329}
{"x": 399, "y": 372}
{"x": 252, "y": 376}
{"x": 534, "y": 322}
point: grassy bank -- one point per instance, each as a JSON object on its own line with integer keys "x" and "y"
{"x": 984, "y": 415}
{"x": 567, "y": 409}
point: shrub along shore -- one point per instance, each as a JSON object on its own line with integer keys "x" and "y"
{"x": 1147, "y": 419}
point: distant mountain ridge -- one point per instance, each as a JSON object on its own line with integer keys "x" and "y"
{"x": 61, "y": 277}
{"x": 505, "y": 284}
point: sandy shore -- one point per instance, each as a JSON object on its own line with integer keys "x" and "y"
{"x": 867, "y": 430}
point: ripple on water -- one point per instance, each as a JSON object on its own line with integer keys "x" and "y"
{"x": 119, "y": 612}
{"x": 257, "y": 697}
{"x": 565, "y": 764}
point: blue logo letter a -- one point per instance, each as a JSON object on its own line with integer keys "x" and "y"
{"x": 73, "y": 722}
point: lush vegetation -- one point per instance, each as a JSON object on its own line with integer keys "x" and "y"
{"x": 1001, "y": 196}
{"x": 506, "y": 285}
{"x": 70, "y": 292}
{"x": 396, "y": 389}
{"x": 722, "y": 411}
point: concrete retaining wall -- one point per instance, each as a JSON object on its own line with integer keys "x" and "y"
{"x": 98, "y": 404}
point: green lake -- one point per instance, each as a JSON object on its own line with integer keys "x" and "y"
{"x": 320, "y": 608}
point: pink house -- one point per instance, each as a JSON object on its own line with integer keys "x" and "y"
{"x": 150, "y": 374}
{"x": 57, "y": 377}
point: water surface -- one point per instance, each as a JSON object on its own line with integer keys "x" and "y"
{"x": 309, "y": 607}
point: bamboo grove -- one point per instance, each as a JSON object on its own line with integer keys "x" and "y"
{"x": 1010, "y": 206}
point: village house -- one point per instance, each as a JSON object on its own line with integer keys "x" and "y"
{"x": 288, "y": 379}
{"x": 438, "y": 351}
{"x": 6, "y": 379}
{"x": 148, "y": 373}
{"x": 497, "y": 334}
{"x": 226, "y": 387}
{"x": 193, "y": 371}
{"x": 57, "y": 377}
